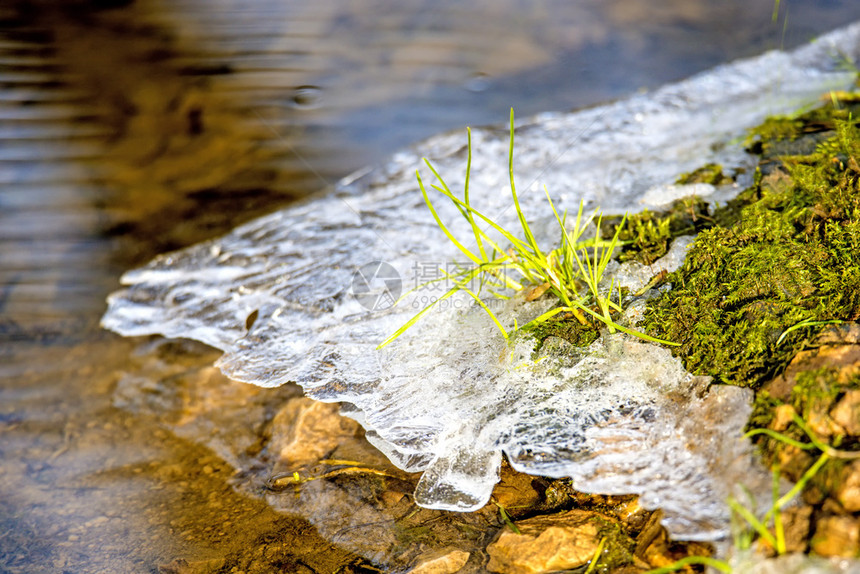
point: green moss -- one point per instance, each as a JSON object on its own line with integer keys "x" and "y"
{"x": 618, "y": 547}
{"x": 567, "y": 328}
{"x": 816, "y": 391}
{"x": 786, "y": 251}
{"x": 647, "y": 236}
{"x": 709, "y": 173}
{"x": 774, "y": 129}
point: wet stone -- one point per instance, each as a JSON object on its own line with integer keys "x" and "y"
{"x": 173, "y": 380}
{"x": 837, "y": 536}
{"x": 632, "y": 515}
{"x": 848, "y": 493}
{"x": 546, "y": 544}
{"x": 846, "y": 413}
{"x": 782, "y": 417}
{"x": 443, "y": 561}
{"x": 791, "y": 563}
{"x": 515, "y": 492}
{"x": 796, "y": 524}
{"x": 306, "y": 431}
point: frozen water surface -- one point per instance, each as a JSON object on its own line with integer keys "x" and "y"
{"x": 448, "y": 398}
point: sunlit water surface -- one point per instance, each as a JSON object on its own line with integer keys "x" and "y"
{"x": 130, "y": 131}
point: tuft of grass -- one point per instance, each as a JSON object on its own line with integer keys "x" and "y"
{"x": 559, "y": 272}
{"x": 769, "y": 528}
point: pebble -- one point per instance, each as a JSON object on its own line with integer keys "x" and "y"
{"x": 445, "y": 561}
{"x": 546, "y": 544}
{"x": 848, "y": 493}
{"x": 847, "y": 412}
{"x": 837, "y": 536}
{"x": 305, "y": 431}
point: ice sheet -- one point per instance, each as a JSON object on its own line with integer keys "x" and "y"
{"x": 448, "y": 398}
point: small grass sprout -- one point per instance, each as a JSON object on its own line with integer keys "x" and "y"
{"x": 578, "y": 261}
{"x": 755, "y": 526}
{"x": 776, "y": 539}
{"x": 506, "y": 518}
{"x": 775, "y": 534}
{"x": 806, "y": 323}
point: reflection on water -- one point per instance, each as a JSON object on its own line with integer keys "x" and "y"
{"x": 126, "y": 132}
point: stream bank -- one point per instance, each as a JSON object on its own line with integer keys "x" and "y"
{"x": 125, "y": 135}
{"x": 196, "y": 291}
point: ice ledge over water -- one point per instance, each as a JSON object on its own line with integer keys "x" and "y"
{"x": 448, "y": 398}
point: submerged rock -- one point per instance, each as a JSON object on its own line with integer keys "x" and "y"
{"x": 547, "y": 544}
{"x": 444, "y": 561}
{"x": 448, "y": 398}
{"x": 306, "y": 431}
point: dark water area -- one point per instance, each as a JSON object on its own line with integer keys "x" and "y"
{"x": 131, "y": 128}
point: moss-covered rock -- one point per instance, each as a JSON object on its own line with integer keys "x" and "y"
{"x": 647, "y": 235}
{"x": 711, "y": 173}
{"x": 787, "y": 252}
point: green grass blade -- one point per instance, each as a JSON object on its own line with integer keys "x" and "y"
{"x": 443, "y": 184}
{"x": 462, "y": 287}
{"x": 535, "y": 261}
{"x": 633, "y": 332}
{"x": 507, "y": 519}
{"x": 806, "y": 323}
{"x": 780, "y": 437}
{"x": 515, "y": 241}
{"x": 778, "y": 530}
{"x": 756, "y": 524}
{"x": 596, "y": 556}
{"x": 416, "y": 318}
{"x": 523, "y": 223}
{"x": 546, "y": 316}
{"x": 441, "y": 225}
{"x": 476, "y": 231}
{"x": 795, "y": 490}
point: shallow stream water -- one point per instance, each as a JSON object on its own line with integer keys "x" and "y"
{"x": 129, "y": 131}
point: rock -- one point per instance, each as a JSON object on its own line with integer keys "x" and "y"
{"x": 848, "y": 492}
{"x": 652, "y": 545}
{"x": 844, "y": 334}
{"x": 173, "y": 381}
{"x": 782, "y": 417}
{"x": 546, "y": 544}
{"x": 305, "y": 431}
{"x": 795, "y": 522}
{"x": 831, "y": 354}
{"x": 515, "y": 492}
{"x": 837, "y": 536}
{"x": 749, "y": 562}
{"x": 633, "y": 516}
{"x": 444, "y": 561}
{"x": 847, "y": 412}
